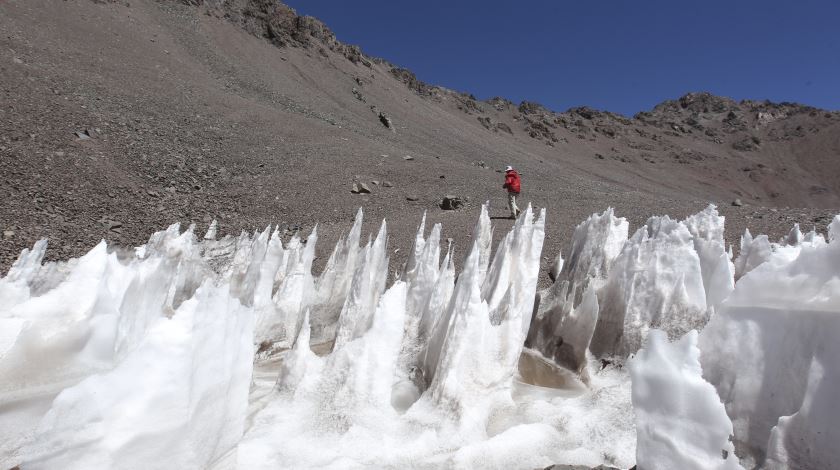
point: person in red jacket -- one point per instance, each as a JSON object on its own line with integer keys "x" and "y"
{"x": 513, "y": 186}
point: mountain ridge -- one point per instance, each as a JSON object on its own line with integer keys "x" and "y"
{"x": 283, "y": 26}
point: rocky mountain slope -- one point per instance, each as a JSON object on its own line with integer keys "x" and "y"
{"x": 119, "y": 118}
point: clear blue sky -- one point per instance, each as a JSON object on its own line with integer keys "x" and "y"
{"x": 621, "y": 55}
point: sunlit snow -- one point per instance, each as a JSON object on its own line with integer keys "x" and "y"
{"x": 193, "y": 352}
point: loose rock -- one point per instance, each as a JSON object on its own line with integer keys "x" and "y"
{"x": 449, "y": 203}
{"x": 360, "y": 188}
{"x": 386, "y": 121}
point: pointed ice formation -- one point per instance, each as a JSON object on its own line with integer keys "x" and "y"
{"x": 279, "y": 320}
{"x": 212, "y": 230}
{"x": 656, "y": 282}
{"x": 145, "y": 359}
{"x": 438, "y": 316}
{"x": 754, "y": 251}
{"x": 187, "y": 380}
{"x": 108, "y": 317}
{"x": 478, "y": 357}
{"x": 333, "y": 286}
{"x": 301, "y": 363}
{"x": 429, "y": 286}
{"x": 567, "y": 312}
{"x": 715, "y": 264}
{"x": 596, "y": 243}
{"x": 562, "y": 332}
{"x": 367, "y": 286}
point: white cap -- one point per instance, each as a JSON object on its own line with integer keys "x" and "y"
{"x": 508, "y": 168}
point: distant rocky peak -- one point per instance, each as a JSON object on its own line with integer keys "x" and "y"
{"x": 701, "y": 102}
{"x": 280, "y": 24}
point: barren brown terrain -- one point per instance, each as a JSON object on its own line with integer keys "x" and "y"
{"x": 118, "y": 119}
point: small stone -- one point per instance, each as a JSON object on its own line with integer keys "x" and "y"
{"x": 375, "y": 182}
{"x": 7, "y": 234}
{"x": 82, "y": 135}
{"x": 388, "y": 184}
{"x": 412, "y": 198}
{"x": 737, "y": 203}
{"x": 17, "y": 60}
{"x": 408, "y": 158}
{"x": 151, "y": 193}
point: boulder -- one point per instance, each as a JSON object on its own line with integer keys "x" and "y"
{"x": 83, "y": 135}
{"x": 360, "y": 188}
{"x": 386, "y": 121}
{"x": 449, "y": 202}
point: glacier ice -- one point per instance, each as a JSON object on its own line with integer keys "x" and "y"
{"x": 187, "y": 381}
{"x": 656, "y": 282}
{"x": 568, "y": 311}
{"x": 771, "y": 351}
{"x": 680, "y": 420}
{"x": 231, "y": 353}
{"x": 670, "y": 275}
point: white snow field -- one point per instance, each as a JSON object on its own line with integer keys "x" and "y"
{"x": 196, "y": 353}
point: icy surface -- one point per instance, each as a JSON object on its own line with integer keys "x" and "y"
{"x": 205, "y": 352}
{"x": 187, "y": 381}
{"x": 772, "y": 350}
{"x": 595, "y": 244}
{"x": 754, "y": 251}
{"x": 656, "y": 282}
{"x": 568, "y": 311}
{"x": 680, "y": 421}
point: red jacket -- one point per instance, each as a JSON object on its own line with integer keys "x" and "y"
{"x": 512, "y": 183}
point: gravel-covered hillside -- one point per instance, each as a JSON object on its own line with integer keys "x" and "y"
{"x": 121, "y": 118}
